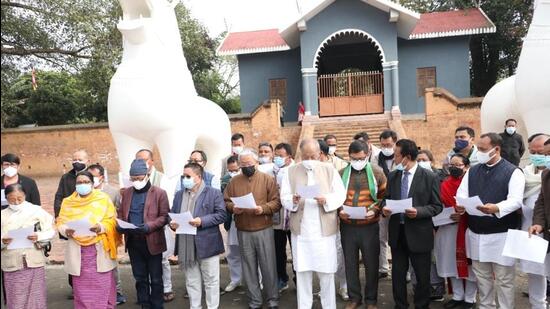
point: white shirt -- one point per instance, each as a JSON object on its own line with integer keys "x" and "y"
{"x": 489, "y": 247}
{"x": 411, "y": 171}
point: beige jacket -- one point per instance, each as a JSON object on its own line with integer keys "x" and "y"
{"x": 73, "y": 258}
{"x": 28, "y": 216}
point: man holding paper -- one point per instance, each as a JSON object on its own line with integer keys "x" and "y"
{"x": 499, "y": 185}
{"x": 313, "y": 223}
{"x": 411, "y": 233}
{"x": 365, "y": 187}
{"x": 254, "y": 227}
{"x": 198, "y": 254}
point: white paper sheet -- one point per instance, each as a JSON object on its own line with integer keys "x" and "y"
{"x": 519, "y": 245}
{"x": 4, "y": 201}
{"x": 399, "y": 206}
{"x": 471, "y": 204}
{"x": 19, "y": 238}
{"x": 444, "y": 217}
{"x": 356, "y": 212}
{"x": 81, "y": 227}
{"x": 126, "y": 225}
{"x": 183, "y": 221}
{"x": 306, "y": 192}
{"x": 245, "y": 201}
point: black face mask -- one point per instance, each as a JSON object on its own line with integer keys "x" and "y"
{"x": 455, "y": 172}
{"x": 248, "y": 170}
{"x": 79, "y": 166}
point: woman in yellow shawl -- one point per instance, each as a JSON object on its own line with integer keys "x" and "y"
{"x": 90, "y": 260}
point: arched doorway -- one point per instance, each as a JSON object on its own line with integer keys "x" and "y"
{"x": 349, "y": 74}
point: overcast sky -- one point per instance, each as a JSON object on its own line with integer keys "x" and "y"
{"x": 242, "y": 15}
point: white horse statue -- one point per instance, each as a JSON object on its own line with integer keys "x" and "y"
{"x": 526, "y": 95}
{"x": 152, "y": 98}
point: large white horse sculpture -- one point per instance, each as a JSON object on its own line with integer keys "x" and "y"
{"x": 526, "y": 95}
{"x": 152, "y": 99}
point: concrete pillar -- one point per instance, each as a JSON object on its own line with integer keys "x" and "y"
{"x": 391, "y": 85}
{"x": 309, "y": 91}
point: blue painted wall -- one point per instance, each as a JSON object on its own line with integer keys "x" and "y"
{"x": 450, "y": 56}
{"x": 348, "y": 14}
{"x": 255, "y": 71}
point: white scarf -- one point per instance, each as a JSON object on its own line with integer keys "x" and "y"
{"x": 533, "y": 181}
{"x": 26, "y": 216}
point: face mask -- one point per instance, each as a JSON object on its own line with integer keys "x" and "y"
{"x": 279, "y": 161}
{"x": 536, "y": 159}
{"x": 331, "y": 150}
{"x": 455, "y": 172}
{"x": 484, "y": 157}
{"x": 309, "y": 164}
{"x": 388, "y": 152}
{"x": 264, "y": 160}
{"x": 461, "y": 144}
{"x": 16, "y": 207}
{"x": 188, "y": 183}
{"x": 233, "y": 174}
{"x": 510, "y": 130}
{"x": 84, "y": 189}
{"x": 358, "y": 165}
{"x": 138, "y": 185}
{"x": 10, "y": 171}
{"x": 400, "y": 166}
{"x": 79, "y": 166}
{"x": 248, "y": 171}
{"x": 237, "y": 149}
{"x": 425, "y": 164}
{"x": 97, "y": 182}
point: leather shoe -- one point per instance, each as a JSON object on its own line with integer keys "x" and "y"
{"x": 372, "y": 307}
{"x": 352, "y": 305}
{"x": 452, "y": 304}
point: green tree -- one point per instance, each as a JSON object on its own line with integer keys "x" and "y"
{"x": 495, "y": 55}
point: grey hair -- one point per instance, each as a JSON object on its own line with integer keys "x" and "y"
{"x": 248, "y": 152}
{"x": 310, "y": 141}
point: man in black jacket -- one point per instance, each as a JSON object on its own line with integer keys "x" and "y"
{"x": 512, "y": 143}
{"x": 67, "y": 183}
{"x": 411, "y": 234}
{"x": 10, "y": 168}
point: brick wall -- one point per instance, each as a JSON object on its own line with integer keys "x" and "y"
{"x": 47, "y": 151}
{"x": 444, "y": 113}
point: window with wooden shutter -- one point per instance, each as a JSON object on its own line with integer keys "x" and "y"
{"x": 277, "y": 90}
{"x": 425, "y": 78}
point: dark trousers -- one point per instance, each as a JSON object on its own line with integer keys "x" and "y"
{"x": 421, "y": 263}
{"x": 146, "y": 267}
{"x": 281, "y": 238}
{"x": 364, "y": 239}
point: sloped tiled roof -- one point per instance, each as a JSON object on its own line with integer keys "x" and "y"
{"x": 252, "y": 42}
{"x": 452, "y": 23}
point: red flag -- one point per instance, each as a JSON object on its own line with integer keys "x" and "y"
{"x": 33, "y": 78}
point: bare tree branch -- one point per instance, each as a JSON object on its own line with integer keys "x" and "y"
{"x": 21, "y": 6}
{"x": 19, "y": 51}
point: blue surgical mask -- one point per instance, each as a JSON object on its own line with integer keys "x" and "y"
{"x": 84, "y": 189}
{"x": 538, "y": 159}
{"x": 510, "y": 130}
{"x": 400, "y": 167}
{"x": 188, "y": 183}
{"x": 279, "y": 161}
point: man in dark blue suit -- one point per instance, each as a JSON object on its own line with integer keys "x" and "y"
{"x": 411, "y": 234}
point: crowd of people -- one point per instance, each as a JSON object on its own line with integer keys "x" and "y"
{"x": 309, "y": 203}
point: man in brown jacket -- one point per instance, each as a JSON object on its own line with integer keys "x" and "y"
{"x": 541, "y": 215}
{"x": 145, "y": 206}
{"x": 254, "y": 228}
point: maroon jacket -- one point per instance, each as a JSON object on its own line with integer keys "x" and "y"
{"x": 155, "y": 215}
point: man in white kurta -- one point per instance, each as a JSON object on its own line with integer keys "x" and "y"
{"x": 537, "y": 272}
{"x": 313, "y": 223}
{"x": 499, "y": 185}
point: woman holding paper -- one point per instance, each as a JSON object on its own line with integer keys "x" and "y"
{"x": 90, "y": 259}
{"x": 450, "y": 241}
{"x": 23, "y": 266}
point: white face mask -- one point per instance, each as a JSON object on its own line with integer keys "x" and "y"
{"x": 264, "y": 160}
{"x": 484, "y": 157}
{"x": 16, "y": 207}
{"x": 138, "y": 185}
{"x": 97, "y": 182}
{"x": 309, "y": 164}
{"x": 358, "y": 165}
{"x": 237, "y": 149}
{"x": 331, "y": 150}
{"x": 510, "y": 130}
{"x": 387, "y": 151}
{"x": 10, "y": 171}
{"x": 425, "y": 164}
{"x": 233, "y": 174}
